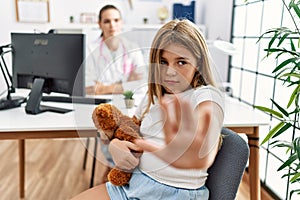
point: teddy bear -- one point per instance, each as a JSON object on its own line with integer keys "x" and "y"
{"x": 112, "y": 123}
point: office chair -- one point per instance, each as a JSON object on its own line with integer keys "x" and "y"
{"x": 228, "y": 168}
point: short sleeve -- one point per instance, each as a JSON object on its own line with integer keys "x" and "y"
{"x": 208, "y": 93}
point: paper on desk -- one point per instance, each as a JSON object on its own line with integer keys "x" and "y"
{"x": 100, "y": 96}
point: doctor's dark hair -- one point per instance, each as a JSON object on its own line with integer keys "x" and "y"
{"x": 186, "y": 34}
{"x": 107, "y": 7}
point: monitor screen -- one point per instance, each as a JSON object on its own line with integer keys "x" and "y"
{"x": 48, "y": 63}
{"x": 56, "y": 58}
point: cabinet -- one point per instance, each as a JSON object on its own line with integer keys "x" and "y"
{"x": 142, "y": 34}
{"x": 90, "y": 30}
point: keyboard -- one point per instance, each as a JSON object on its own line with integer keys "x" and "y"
{"x": 75, "y": 99}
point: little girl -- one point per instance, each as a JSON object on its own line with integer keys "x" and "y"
{"x": 181, "y": 119}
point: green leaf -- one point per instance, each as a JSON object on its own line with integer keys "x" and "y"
{"x": 292, "y": 53}
{"x": 128, "y": 94}
{"x": 282, "y": 39}
{"x": 282, "y": 144}
{"x": 283, "y": 111}
{"x": 292, "y": 45}
{"x": 281, "y": 130}
{"x": 284, "y": 63}
{"x": 270, "y": 111}
{"x": 274, "y": 143}
{"x": 294, "y": 178}
{"x": 295, "y": 7}
{"x": 293, "y": 96}
{"x": 295, "y": 111}
{"x": 293, "y": 191}
{"x": 275, "y": 36}
{"x": 288, "y": 162}
{"x": 291, "y": 74}
{"x": 297, "y": 147}
{"x": 272, "y": 50}
{"x": 267, "y": 32}
{"x": 272, "y": 132}
{"x": 291, "y": 174}
{"x": 277, "y": 76}
{"x": 288, "y": 174}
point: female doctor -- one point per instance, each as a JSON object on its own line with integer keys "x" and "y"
{"x": 113, "y": 63}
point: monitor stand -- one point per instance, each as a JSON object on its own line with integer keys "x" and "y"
{"x": 33, "y": 103}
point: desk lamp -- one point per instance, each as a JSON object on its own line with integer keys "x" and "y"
{"x": 224, "y": 46}
{"x": 228, "y": 49}
{"x": 9, "y": 102}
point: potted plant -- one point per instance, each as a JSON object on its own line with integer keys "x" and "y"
{"x": 128, "y": 98}
{"x": 284, "y": 44}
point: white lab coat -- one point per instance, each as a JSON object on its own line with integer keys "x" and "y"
{"x": 113, "y": 67}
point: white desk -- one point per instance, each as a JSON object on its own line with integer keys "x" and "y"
{"x": 243, "y": 119}
{"x": 16, "y": 124}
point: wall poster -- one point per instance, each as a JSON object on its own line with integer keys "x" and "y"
{"x": 34, "y": 11}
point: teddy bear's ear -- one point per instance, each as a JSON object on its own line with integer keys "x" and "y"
{"x": 105, "y": 117}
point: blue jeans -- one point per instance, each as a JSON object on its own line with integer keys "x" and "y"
{"x": 143, "y": 187}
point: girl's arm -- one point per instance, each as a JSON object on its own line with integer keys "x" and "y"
{"x": 187, "y": 134}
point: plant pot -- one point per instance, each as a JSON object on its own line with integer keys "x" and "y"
{"x": 129, "y": 103}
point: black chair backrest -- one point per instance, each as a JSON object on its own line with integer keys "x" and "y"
{"x": 227, "y": 171}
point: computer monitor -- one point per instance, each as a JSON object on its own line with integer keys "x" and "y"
{"x": 48, "y": 63}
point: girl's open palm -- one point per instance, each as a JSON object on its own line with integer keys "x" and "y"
{"x": 183, "y": 136}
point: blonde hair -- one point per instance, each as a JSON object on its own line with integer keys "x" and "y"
{"x": 186, "y": 34}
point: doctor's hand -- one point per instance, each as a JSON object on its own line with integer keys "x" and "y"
{"x": 134, "y": 76}
{"x": 121, "y": 152}
{"x": 100, "y": 88}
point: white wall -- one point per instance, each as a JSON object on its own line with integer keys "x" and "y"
{"x": 60, "y": 11}
{"x": 216, "y": 15}
{"x": 217, "y": 18}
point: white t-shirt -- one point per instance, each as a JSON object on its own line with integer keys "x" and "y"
{"x": 152, "y": 130}
{"x": 110, "y": 67}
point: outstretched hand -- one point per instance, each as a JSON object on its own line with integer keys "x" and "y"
{"x": 182, "y": 138}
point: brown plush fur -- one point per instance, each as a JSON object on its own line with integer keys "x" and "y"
{"x": 109, "y": 120}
